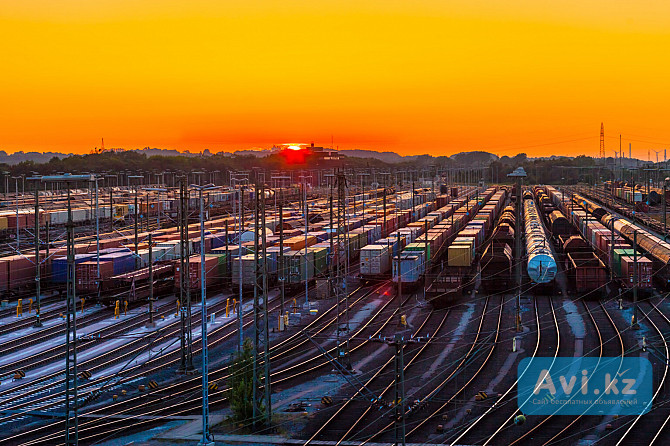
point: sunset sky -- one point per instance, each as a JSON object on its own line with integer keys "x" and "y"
{"x": 421, "y": 76}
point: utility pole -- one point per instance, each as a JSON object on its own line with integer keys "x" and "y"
{"x": 261, "y": 319}
{"x": 97, "y": 240}
{"x": 634, "y": 323}
{"x": 151, "y": 323}
{"x": 399, "y": 279}
{"x": 16, "y": 189}
{"x": 518, "y": 174}
{"x": 399, "y": 386}
{"x": 71, "y": 398}
{"x": 282, "y": 278}
{"x": 186, "y": 365}
{"x": 341, "y": 270}
{"x": 136, "y": 218}
{"x": 665, "y": 209}
{"x": 398, "y": 342}
{"x": 111, "y": 210}
{"x": 71, "y": 395}
{"x": 240, "y": 227}
{"x": 38, "y": 322}
{"x": 207, "y": 439}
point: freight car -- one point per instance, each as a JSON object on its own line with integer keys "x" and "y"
{"x": 558, "y": 224}
{"x": 463, "y": 250}
{"x": 135, "y": 286}
{"x": 541, "y": 264}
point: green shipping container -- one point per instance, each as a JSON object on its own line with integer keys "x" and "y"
{"x": 299, "y": 267}
{"x": 320, "y": 256}
{"x": 622, "y": 252}
{"x": 419, "y": 247}
{"x": 223, "y": 265}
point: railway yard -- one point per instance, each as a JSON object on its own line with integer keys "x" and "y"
{"x": 372, "y": 314}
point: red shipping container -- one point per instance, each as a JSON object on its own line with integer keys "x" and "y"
{"x": 4, "y": 274}
{"x": 211, "y": 271}
{"x": 644, "y": 271}
{"x": 110, "y": 243}
{"x": 21, "y": 271}
{"x": 86, "y": 275}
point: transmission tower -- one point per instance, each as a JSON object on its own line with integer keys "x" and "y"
{"x": 602, "y": 140}
{"x": 341, "y": 292}
{"x": 261, "y": 320}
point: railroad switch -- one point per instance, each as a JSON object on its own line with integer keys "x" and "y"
{"x": 213, "y": 387}
{"x": 19, "y": 374}
{"x": 85, "y": 374}
{"x": 153, "y": 385}
{"x": 481, "y": 396}
{"x": 326, "y": 401}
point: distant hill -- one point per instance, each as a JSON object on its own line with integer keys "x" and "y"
{"x": 387, "y": 157}
{"x": 474, "y": 158}
{"x": 37, "y": 157}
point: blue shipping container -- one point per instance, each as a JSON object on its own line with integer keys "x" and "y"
{"x": 123, "y": 261}
{"x": 59, "y": 266}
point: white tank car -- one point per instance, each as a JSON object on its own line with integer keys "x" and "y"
{"x": 541, "y": 263}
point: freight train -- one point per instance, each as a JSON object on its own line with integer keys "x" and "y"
{"x": 540, "y": 264}
{"x": 464, "y": 248}
{"x": 614, "y": 250}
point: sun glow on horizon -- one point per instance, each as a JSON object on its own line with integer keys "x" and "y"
{"x": 427, "y": 76}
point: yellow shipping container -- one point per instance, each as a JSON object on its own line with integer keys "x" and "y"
{"x": 3, "y": 223}
{"x": 120, "y": 210}
{"x": 460, "y": 254}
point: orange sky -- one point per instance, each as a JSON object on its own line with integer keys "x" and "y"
{"x": 426, "y": 76}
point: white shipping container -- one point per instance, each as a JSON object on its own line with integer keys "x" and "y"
{"x": 58, "y": 217}
{"x": 375, "y": 260}
{"x": 143, "y": 255}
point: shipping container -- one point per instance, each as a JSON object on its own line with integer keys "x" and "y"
{"x": 375, "y": 261}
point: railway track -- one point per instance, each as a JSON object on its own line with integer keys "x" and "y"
{"x": 632, "y": 432}
{"x": 16, "y": 398}
{"x": 507, "y": 399}
{"x": 375, "y": 378}
{"x": 564, "y": 424}
{"x": 432, "y": 400}
{"x": 179, "y": 394}
{"x": 56, "y": 352}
